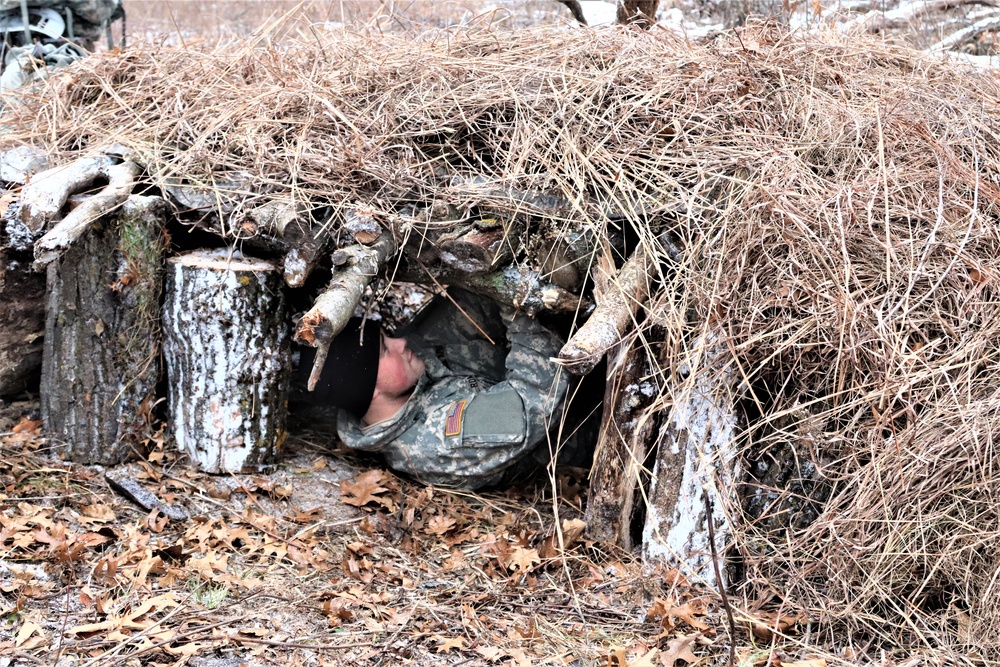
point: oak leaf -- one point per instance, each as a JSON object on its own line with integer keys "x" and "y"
{"x": 365, "y": 489}
{"x": 685, "y": 612}
{"x": 679, "y": 649}
{"x": 446, "y": 644}
{"x": 439, "y": 524}
{"x": 489, "y": 653}
{"x": 97, "y": 513}
{"x": 524, "y": 559}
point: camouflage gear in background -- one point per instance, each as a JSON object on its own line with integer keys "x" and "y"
{"x": 89, "y": 16}
{"x": 479, "y": 410}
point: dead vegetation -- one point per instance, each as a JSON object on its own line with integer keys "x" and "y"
{"x": 831, "y": 208}
{"x": 318, "y": 564}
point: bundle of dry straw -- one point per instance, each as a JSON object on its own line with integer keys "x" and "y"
{"x": 836, "y": 200}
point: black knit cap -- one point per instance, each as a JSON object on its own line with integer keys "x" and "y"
{"x": 351, "y": 369}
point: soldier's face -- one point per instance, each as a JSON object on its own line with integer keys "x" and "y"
{"x": 398, "y": 368}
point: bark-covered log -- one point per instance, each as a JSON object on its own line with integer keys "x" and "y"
{"x": 121, "y": 180}
{"x": 637, "y": 12}
{"x": 22, "y": 319}
{"x": 618, "y": 298}
{"x": 696, "y": 452}
{"x": 226, "y": 347}
{"x": 102, "y": 334}
{"x": 628, "y": 430}
{"x": 46, "y": 194}
{"x": 354, "y": 268}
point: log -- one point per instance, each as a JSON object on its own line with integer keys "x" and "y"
{"x": 967, "y": 35}
{"x": 354, "y": 268}
{"x": 628, "y": 431}
{"x": 521, "y": 287}
{"x": 226, "y": 348}
{"x": 304, "y": 243}
{"x": 640, "y": 13}
{"x": 22, "y": 319}
{"x": 696, "y": 453}
{"x": 46, "y": 194}
{"x": 618, "y": 298}
{"x": 121, "y": 180}
{"x": 102, "y": 332}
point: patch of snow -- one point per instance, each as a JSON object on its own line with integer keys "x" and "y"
{"x": 599, "y": 12}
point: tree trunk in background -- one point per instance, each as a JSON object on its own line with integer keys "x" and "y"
{"x": 227, "y": 353}
{"x": 697, "y": 453}
{"x": 637, "y": 12}
{"x": 102, "y": 334}
{"x": 22, "y": 319}
{"x": 628, "y": 427}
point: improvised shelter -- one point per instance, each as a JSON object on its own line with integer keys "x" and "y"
{"x": 790, "y": 242}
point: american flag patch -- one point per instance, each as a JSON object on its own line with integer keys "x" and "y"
{"x": 453, "y": 426}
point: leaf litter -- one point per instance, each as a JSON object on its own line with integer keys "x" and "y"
{"x": 319, "y": 563}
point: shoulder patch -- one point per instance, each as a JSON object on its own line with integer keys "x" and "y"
{"x": 453, "y": 424}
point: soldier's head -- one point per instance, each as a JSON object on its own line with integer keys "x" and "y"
{"x": 366, "y": 373}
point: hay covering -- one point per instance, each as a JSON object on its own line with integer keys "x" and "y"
{"x": 836, "y": 200}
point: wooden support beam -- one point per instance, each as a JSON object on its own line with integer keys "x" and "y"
{"x": 618, "y": 295}
{"x": 696, "y": 453}
{"x": 121, "y": 180}
{"x": 354, "y": 268}
{"x": 628, "y": 431}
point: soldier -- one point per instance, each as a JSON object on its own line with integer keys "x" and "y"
{"x": 450, "y": 404}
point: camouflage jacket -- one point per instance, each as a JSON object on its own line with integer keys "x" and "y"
{"x": 479, "y": 409}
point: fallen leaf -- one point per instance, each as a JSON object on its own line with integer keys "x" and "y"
{"x": 685, "y": 612}
{"x": 814, "y": 662}
{"x": 26, "y": 425}
{"x": 446, "y": 644}
{"x": 524, "y": 559}
{"x": 572, "y": 530}
{"x": 645, "y": 660}
{"x": 305, "y": 516}
{"x": 364, "y": 489}
{"x": 315, "y": 466}
{"x": 679, "y": 649}
{"x": 97, "y": 513}
{"x": 490, "y": 653}
{"x": 28, "y": 629}
{"x": 439, "y": 525}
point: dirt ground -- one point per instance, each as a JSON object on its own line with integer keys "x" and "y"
{"x": 324, "y": 561}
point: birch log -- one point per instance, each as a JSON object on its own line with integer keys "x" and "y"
{"x": 101, "y": 358}
{"x": 696, "y": 452}
{"x": 227, "y": 352}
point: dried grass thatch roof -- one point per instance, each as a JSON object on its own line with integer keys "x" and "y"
{"x": 836, "y": 201}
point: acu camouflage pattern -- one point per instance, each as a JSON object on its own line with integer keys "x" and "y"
{"x": 88, "y": 15}
{"x": 512, "y": 398}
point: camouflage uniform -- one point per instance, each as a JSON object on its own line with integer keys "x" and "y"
{"x": 479, "y": 410}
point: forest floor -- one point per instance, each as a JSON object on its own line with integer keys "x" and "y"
{"x": 324, "y": 561}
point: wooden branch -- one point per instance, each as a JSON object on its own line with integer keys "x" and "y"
{"x": 906, "y": 13}
{"x": 520, "y": 287}
{"x": 615, "y": 314}
{"x": 354, "y": 268}
{"x": 628, "y": 432}
{"x": 966, "y": 35}
{"x": 575, "y": 9}
{"x": 45, "y": 195}
{"x": 475, "y": 250}
{"x": 121, "y": 179}
{"x": 696, "y": 452}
